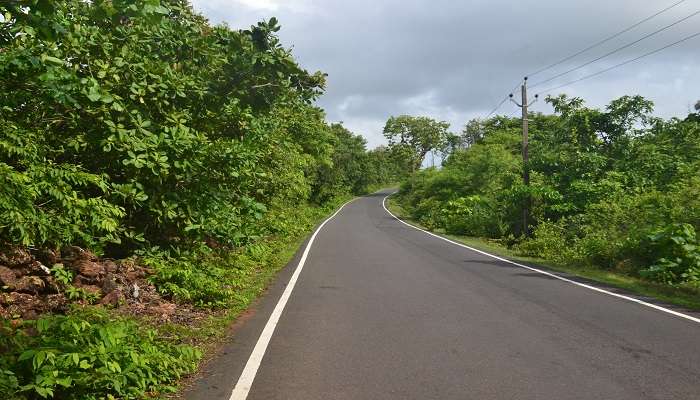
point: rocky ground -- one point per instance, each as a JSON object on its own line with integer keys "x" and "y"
{"x": 28, "y": 288}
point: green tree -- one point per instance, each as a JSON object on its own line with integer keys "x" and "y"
{"x": 603, "y": 182}
{"x": 114, "y": 143}
{"x": 411, "y": 138}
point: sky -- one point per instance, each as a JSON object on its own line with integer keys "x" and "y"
{"x": 455, "y": 60}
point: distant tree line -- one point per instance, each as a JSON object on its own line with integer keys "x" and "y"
{"x": 616, "y": 188}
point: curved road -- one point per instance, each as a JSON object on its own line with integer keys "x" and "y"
{"x": 385, "y": 311}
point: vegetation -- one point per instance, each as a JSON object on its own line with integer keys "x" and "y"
{"x": 614, "y": 189}
{"x": 411, "y": 138}
{"x": 138, "y": 130}
{"x": 194, "y": 156}
{"x": 84, "y": 356}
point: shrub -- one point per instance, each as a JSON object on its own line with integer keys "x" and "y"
{"x": 201, "y": 277}
{"x": 473, "y": 216}
{"x": 88, "y": 355}
{"x": 677, "y": 253}
{"x": 549, "y": 241}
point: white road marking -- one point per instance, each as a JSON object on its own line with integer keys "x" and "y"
{"x": 561, "y": 278}
{"x": 245, "y": 381}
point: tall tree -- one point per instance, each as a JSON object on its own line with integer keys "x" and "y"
{"x": 411, "y": 138}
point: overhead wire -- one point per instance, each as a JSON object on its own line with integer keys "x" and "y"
{"x": 607, "y": 39}
{"x": 603, "y": 41}
{"x": 622, "y": 63}
{"x": 616, "y": 50}
{"x": 500, "y": 104}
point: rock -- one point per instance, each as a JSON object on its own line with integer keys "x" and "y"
{"x": 29, "y": 314}
{"x": 15, "y": 298}
{"x": 113, "y": 298}
{"x": 57, "y": 302}
{"x": 163, "y": 310}
{"x": 47, "y": 256}
{"x": 75, "y": 253}
{"x": 30, "y": 284}
{"x": 109, "y": 284}
{"x": 136, "y": 273}
{"x": 110, "y": 266}
{"x": 7, "y": 277}
{"x": 37, "y": 268}
{"x": 51, "y": 285}
{"x": 91, "y": 270}
{"x": 22, "y": 305}
{"x": 14, "y": 256}
{"x": 135, "y": 291}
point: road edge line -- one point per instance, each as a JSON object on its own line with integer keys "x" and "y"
{"x": 561, "y": 278}
{"x": 245, "y": 381}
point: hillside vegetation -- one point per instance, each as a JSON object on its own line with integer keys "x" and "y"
{"x": 160, "y": 166}
{"x": 616, "y": 189}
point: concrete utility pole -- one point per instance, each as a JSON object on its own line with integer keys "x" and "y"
{"x": 526, "y": 156}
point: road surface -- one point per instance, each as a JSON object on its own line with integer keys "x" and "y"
{"x": 381, "y": 310}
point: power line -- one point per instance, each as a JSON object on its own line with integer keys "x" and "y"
{"x": 618, "y": 49}
{"x": 622, "y": 63}
{"x": 505, "y": 98}
{"x": 607, "y": 39}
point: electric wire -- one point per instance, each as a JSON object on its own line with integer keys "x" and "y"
{"x": 622, "y": 63}
{"x": 617, "y": 49}
{"x": 500, "y": 104}
{"x": 607, "y": 39}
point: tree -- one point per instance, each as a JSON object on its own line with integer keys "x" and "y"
{"x": 411, "y": 138}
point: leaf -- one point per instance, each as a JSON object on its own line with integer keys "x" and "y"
{"x": 26, "y": 355}
{"x": 65, "y": 382}
{"x": 51, "y": 60}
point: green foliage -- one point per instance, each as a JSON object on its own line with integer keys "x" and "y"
{"x": 602, "y": 184}
{"x": 679, "y": 255}
{"x": 136, "y": 128}
{"x": 216, "y": 278}
{"x": 411, "y": 138}
{"x": 352, "y": 169}
{"x": 125, "y": 124}
{"x": 88, "y": 355}
{"x": 548, "y": 241}
{"x": 64, "y": 277}
{"x": 102, "y": 142}
{"x": 197, "y": 277}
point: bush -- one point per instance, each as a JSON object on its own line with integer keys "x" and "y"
{"x": 614, "y": 189}
{"x": 473, "y": 216}
{"x": 677, "y": 252}
{"x": 549, "y": 241}
{"x": 88, "y": 355}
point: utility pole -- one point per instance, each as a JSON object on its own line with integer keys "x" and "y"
{"x": 526, "y": 156}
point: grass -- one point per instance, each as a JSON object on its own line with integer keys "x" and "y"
{"x": 680, "y": 296}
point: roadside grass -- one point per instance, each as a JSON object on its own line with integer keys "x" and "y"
{"x": 685, "y": 297}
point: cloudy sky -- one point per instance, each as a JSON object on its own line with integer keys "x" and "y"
{"x": 454, "y": 60}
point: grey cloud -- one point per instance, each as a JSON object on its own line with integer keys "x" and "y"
{"x": 454, "y": 60}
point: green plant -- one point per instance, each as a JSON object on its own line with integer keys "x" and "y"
{"x": 548, "y": 241}
{"x": 677, "y": 254}
{"x": 90, "y": 355}
{"x": 62, "y": 275}
{"x": 65, "y": 278}
{"x": 204, "y": 278}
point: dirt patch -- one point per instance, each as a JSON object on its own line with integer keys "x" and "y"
{"x": 29, "y": 289}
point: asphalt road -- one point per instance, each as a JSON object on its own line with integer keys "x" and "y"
{"x": 385, "y": 311}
